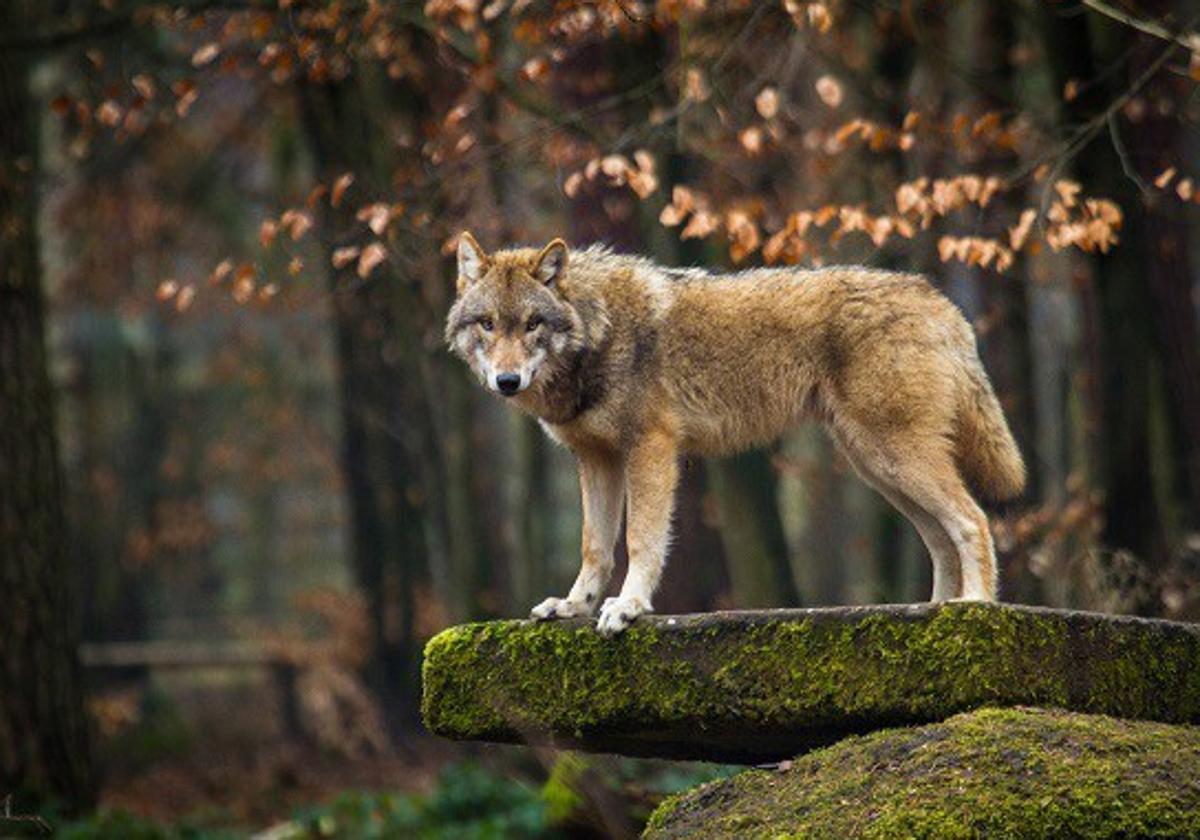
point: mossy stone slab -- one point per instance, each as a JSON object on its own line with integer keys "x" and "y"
{"x": 1011, "y": 773}
{"x": 761, "y": 686}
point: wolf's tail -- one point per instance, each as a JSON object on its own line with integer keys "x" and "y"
{"x": 985, "y": 450}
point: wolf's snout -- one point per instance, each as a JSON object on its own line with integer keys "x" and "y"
{"x": 508, "y": 383}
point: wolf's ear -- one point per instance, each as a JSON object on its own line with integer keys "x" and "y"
{"x": 472, "y": 262}
{"x": 551, "y": 262}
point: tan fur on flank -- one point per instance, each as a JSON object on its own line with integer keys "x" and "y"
{"x": 631, "y": 365}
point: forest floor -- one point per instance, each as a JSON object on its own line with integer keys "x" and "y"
{"x": 218, "y": 754}
{"x": 257, "y": 787}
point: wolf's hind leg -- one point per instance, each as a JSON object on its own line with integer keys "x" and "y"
{"x": 602, "y": 486}
{"x": 916, "y": 465}
{"x": 872, "y": 467}
{"x": 935, "y": 485}
{"x": 652, "y": 473}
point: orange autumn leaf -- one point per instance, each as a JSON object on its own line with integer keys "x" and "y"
{"x": 206, "y": 54}
{"x": 184, "y": 299}
{"x": 377, "y": 216}
{"x": 345, "y": 255}
{"x": 371, "y": 257}
{"x": 829, "y": 90}
{"x": 267, "y": 231}
{"x": 166, "y": 290}
{"x": 340, "y": 186}
{"x": 108, "y": 113}
{"x": 767, "y": 103}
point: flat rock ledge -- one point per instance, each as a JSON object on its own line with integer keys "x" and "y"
{"x": 1011, "y": 773}
{"x": 752, "y": 687}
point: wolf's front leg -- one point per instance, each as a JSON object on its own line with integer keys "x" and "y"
{"x": 602, "y": 485}
{"x": 651, "y": 475}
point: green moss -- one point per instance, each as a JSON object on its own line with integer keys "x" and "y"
{"x": 1012, "y": 773}
{"x": 756, "y": 685}
{"x": 562, "y": 791}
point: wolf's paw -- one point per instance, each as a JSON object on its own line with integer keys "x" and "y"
{"x": 553, "y": 608}
{"x": 618, "y": 613}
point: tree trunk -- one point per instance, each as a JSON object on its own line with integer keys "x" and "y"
{"x": 1005, "y": 348}
{"x": 1132, "y": 520}
{"x": 44, "y": 753}
{"x": 752, "y": 532}
{"x": 384, "y": 415}
{"x": 1157, "y": 142}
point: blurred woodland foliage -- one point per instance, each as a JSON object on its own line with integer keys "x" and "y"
{"x": 245, "y": 212}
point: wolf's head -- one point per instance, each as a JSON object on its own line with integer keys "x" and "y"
{"x": 512, "y": 322}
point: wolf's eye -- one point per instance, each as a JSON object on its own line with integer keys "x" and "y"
{"x": 487, "y": 324}
{"x": 533, "y": 324}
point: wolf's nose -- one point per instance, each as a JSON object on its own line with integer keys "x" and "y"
{"x": 508, "y": 383}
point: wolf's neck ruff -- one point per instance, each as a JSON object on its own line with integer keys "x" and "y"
{"x": 570, "y": 391}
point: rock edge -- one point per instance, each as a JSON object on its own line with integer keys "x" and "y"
{"x": 761, "y": 686}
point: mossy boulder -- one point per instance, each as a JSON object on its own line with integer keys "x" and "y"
{"x": 1011, "y": 773}
{"x": 760, "y": 686}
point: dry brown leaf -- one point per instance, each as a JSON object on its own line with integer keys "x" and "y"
{"x": 643, "y": 183}
{"x": 1019, "y": 233}
{"x": 340, "y": 186}
{"x": 536, "y": 69}
{"x": 243, "y": 282}
{"x": 144, "y": 85}
{"x": 700, "y": 225}
{"x": 345, "y": 255}
{"x": 267, "y": 231}
{"x": 184, "y": 103}
{"x": 1164, "y": 178}
{"x": 220, "y": 272}
{"x": 615, "y": 166}
{"x": 108, "y": 113}
{"x": 751, "y": 139}
{"x": 185, "y": 297}
{"x": 297, "y": 223}
{"x": 371, "y": 257}
{"x": 572, "y": 184}
{"x": 671, "y": 215}
{"x": 166, "y": 290}
{"x": 1068, "y": 191}
{"x": 206, "y": 54}
{"x": 819, "y": 17}
{"x": 829, "y": 90}
{"x": 377, "y": 216}
{"x": 767, "y": 103}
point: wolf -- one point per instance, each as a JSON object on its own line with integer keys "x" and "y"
{"x": 631, "y": 366}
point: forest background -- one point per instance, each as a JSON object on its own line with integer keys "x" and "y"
{"x": 240, "y": 469}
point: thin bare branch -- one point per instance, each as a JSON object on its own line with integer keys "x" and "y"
{"x": 1187, "y": 40}
{"x": 1131, "y": 173}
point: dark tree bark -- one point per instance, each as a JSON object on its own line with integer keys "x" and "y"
{"x": 44, "y": 753}
{"x": 746, "y": 488}
{"x": 1155, "y": 143}
{"x": 1005, "y": 348}
{"x": 1079, "y": 49}
{"x": 384, "y": 414}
